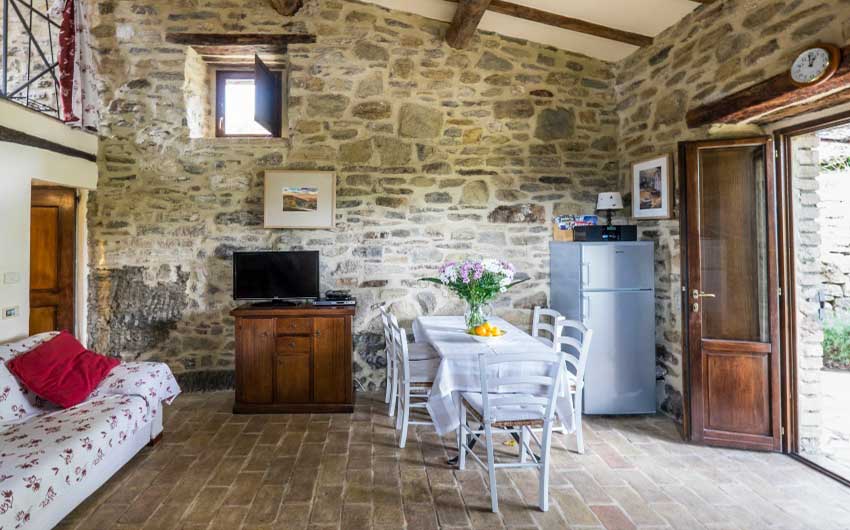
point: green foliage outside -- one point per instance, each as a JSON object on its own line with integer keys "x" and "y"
{"x": 836, "y": 345}
{"x": 839, "y": 163}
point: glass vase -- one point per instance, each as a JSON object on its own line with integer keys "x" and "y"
{"x": 476, "y": 314}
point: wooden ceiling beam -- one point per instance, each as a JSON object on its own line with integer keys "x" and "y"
{"x": 771, "y": 95}
{"x": 561, "y": 21}
{"x": 287, "y": 8}
{"x": 239, "y": 39}
{"x": 467, "y": 17}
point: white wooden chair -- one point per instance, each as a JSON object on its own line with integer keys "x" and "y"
{"x": 388, "y": 339}
{"x": 514, "y": 413}
{"x": 413, "y": 378}
{"x": 561, "y": 337}
{"x": 416, "y": 351}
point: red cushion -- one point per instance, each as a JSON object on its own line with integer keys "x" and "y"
{"x": 62, "y": 370}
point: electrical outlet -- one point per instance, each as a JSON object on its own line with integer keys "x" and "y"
{"x": 11, "y": 312}
{"x": 11, "y": 277}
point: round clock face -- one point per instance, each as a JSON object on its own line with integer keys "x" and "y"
{"x": 810, "y": 65}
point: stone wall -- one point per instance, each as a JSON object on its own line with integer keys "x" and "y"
{"x": 833, "y": 207}
{"x": 808, "y": 270}
{"x": 439, "y": 153}
{"x": 714, "y": 51}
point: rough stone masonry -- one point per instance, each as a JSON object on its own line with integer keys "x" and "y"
{"x": 439, "y": 154}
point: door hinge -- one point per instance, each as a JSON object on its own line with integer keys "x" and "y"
{"x": 782, "y": 431}
{"x": 776, "y": 153}
{"x": 779, "y": 291}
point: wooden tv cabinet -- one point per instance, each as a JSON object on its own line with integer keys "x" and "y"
{"x": 293, "y": 359}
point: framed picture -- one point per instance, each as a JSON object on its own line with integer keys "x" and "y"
{"x": 652, "y": 194}
{"x": 300, "y": 199}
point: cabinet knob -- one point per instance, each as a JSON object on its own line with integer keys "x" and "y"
{"x": 292, "y": 345}
{"x": 318, "y": 333}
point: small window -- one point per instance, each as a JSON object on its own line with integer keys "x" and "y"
{"x": 248, "y": 103}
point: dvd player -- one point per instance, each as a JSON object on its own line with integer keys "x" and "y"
{"x": 326, "y": 302}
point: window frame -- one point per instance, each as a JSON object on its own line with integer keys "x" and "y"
{"x": 221, "y": 78}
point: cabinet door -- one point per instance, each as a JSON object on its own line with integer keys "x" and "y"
{"x": 255, "y": 347}
{"x": 332, "y": 360}
{"x": 292, "y": 378}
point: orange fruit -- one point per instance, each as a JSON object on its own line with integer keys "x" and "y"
{"x": 481, "y": 331}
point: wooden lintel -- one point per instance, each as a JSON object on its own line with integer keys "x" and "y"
{"x": 769, "y": 96}
{"x": 287, "y": 8}
{"x": 465, "y": 22}
{"x": 240, "y": 39}
{"x": 17, "y": 137}
{"x": 564, "y": 22}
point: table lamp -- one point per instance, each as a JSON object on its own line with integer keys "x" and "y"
{"x": 609, "y": 201}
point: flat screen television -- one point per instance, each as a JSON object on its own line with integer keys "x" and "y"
{"x": 275, "y": 275}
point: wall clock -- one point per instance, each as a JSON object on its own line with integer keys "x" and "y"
{"x": 815, "y": 64}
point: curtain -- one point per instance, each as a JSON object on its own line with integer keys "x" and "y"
{"x": 78, "y": 92}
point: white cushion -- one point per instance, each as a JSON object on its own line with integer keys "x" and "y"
{"x": 417, "y": 351}
{"x": 16, "y": 401}
{"x": 424, "y": 371}
{"x": 518, "y": 413}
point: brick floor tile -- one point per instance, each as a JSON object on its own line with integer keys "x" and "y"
{"x": 216, "y": 470}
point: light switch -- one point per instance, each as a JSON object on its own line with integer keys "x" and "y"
{"x": 11, "y": 277}
{"x": 11, "y": 312}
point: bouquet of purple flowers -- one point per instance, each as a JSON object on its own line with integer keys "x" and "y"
{"x": 477, "y": 282}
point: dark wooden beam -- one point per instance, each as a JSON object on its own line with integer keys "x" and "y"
{"x": 465, "y": 22}
{"x": 563, "y": 22}
{"x": 287, "y": 8}
{"x": 239, "y": 39}
{"x": 767, "y": 97}
{"x": 21, "y": 138}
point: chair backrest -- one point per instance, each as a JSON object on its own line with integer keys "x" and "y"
{"x": 388, "y": 334}
{"x": 544, "y": 330}
{"x": 561, "y": 334}
{"x": 399, "y": 347}
{"x": 538, "y": 391}
{"x": 576, "y": 351}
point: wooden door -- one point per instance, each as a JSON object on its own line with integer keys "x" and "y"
{"x": 729, "y": 222}
{"x": 52, "y": 250}
{"x": 255, "y": 351}
{"x": 332, "y": 360}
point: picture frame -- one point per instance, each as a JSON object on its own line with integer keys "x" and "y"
{"x": 652, "y": 188}
{"x": 299, "y": 199}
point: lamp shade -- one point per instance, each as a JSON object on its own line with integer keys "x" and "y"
{"x": 610, "y": 200}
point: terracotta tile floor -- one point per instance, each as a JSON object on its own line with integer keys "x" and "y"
{"x": 215, "y": 470}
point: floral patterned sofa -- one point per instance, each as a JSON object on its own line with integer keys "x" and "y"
{"x": 52, "y": 459}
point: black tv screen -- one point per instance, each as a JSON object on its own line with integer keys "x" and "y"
{"x": 273, "y": 275}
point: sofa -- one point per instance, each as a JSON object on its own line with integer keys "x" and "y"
{"x": 52, "y": 459}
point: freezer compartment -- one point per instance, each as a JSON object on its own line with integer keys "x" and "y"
{"x": 609, "y": 266}
{"x": 620, "y": 376}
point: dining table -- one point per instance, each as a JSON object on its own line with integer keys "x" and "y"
{"x": 458, "y": 370}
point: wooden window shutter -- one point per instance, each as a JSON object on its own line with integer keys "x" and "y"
{"x": 268, "y": 97}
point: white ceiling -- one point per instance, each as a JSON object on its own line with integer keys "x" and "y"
{"x": 647, "y": 17}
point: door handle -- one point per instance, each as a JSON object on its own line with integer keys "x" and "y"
{"x": 585, "y": 302}
{"x": 697, "y": 295}
{"x": 585, "y": 273}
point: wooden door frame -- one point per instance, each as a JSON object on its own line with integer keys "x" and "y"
{"x": 71, "y": 254}
{"x": 788, "y": 280}
{"x": 774, "y": 273}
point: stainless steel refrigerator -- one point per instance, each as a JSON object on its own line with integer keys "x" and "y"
{"x": 611, "y": 288}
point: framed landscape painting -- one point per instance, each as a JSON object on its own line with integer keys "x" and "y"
{"x": 652, "y": 194}
{"x": 299, "y": 199}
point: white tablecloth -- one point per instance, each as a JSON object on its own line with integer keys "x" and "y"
{"x": 458, "y": 371}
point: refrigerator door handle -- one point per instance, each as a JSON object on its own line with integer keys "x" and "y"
{"x": 585, "y": 273}
{"x": 585, "y": 309}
